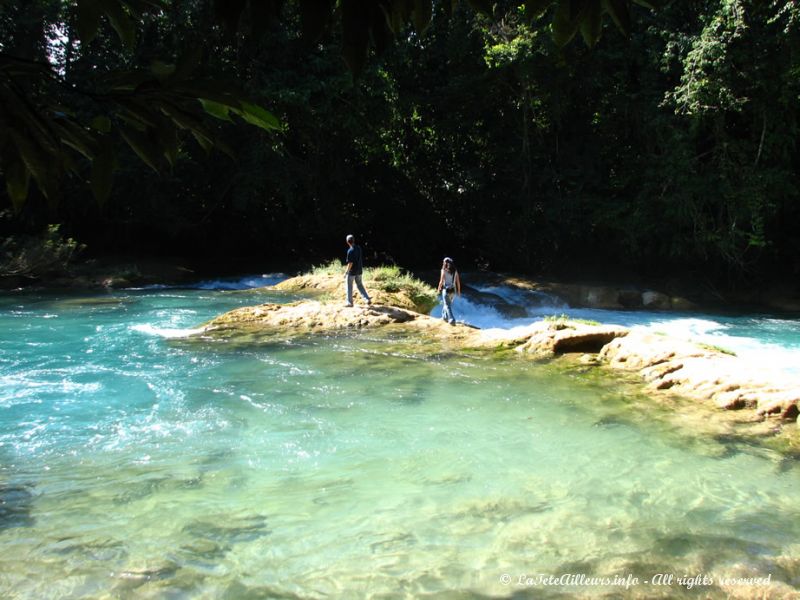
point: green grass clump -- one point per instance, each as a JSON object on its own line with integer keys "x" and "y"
{"x": 564, "y": 318}
{"x": 387, "y": 278}
{"x": 393, "y": 279}
{"x": 334, "y": 267}
{"x": 714, "y": 348}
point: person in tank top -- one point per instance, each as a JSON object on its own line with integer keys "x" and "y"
{"x": 449, "y": 286}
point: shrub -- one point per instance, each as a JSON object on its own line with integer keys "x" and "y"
{"x": 334, "y": 267}
{"x": 36, "y": 256}
{"x": 390, "y": 279}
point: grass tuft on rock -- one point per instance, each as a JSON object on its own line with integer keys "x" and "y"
{"x": 387, "y": 279}
{"x": 565, "y": 319}
{"x": 715, "y": 348}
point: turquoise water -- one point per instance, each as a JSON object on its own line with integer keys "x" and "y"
{"x": 135, "y": 465}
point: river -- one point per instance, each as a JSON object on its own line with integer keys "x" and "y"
{"x": 134, "y": 464}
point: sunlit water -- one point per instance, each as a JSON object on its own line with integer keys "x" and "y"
{"x": 135, "y": 464}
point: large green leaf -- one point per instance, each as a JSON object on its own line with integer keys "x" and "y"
{"x": 216, "y": 109}
{"x": 592, "y": 23}
{"x": 204, "y": 141}
{"x": 88, "y": 15}
{"x": 449, "y": 6}
{"x": 398, "y": 12}
{"x": 101, "y": 123}
{"x": 162, "y": 70}
{"x": 121, "y": 21}
{"x": 23, "y": 116}
{"x": 188, "y": 62}
{"x": 577, "y": 9}
{"x": 262, "y": 14}
{"x": 76, "y": 137}
{"x": 314, "y": 16}
{"x": 422, "y": 15}
{"x": 18, "y": 180}
{"x": 102, "y": 178}
{"x": 144, "y": 147}
{"x": 215, "y": 91}
{"x": 137, "y": 113}
{"x": 355, "y": 34}
{"x": 380, "y": 31}
{"x": 565, "y": 22}
{"x": 482, "y": 6}
{"x": 229, "y": 12}
{"x": 618, "y": 9}
{"x": 166, "y": 138}
{"x": 37, "y": 163}
{"x": 255, "y": 115}
{"x": 126, "y": 80}
{"x": 536, "y": 8}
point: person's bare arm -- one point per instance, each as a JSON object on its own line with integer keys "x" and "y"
{"x": 457, "y": 282}
{"x": 441, "y": 281}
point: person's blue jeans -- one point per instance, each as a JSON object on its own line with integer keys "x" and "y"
{"x": 447, "y": 306}
{"x": 357, "y": 278}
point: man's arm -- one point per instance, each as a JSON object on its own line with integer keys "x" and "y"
{"x": 349, "y": 260}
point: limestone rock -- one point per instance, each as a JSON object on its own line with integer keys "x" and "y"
{"x": 655, "y": 300}
{"x": 680, "y": 303}
{"x": 314, "y": 317}
{"x": 550, "y": 339}
{"x": 334, "y": 286}
{"x": 704, "y": 374}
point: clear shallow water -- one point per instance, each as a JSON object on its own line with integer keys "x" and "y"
{"x": 135, "y": 465}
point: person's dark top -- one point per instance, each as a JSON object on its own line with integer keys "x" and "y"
{"x": 354, "y": 256}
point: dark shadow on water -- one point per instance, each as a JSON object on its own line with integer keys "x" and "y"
{"x": 16, "y": 502}
{"x": 611, "y": 421}
{"x": 229, "y": 531}
{"x": 239, "y": 591}
{"x": 719, "y": 546}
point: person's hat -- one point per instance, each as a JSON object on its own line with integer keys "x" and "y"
{"x": 350, "y": 238}
{"x": 447, "y": 259}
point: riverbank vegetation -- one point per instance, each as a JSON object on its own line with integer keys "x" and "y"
{"x": 669, "y": 151}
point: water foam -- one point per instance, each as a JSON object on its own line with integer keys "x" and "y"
{"x": 166, "y": 332}
{"x": 247, "y": 282}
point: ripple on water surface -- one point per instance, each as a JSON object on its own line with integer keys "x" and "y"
{"x": 148, "y": 468}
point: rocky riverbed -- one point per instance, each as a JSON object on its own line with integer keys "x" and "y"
{"x": 666, "y": 367}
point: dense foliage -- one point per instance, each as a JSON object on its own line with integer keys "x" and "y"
{"x": 667, "y": 151}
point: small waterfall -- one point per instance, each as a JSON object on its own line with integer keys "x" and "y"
{"x": 247, "y": 282}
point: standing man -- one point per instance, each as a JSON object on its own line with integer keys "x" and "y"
{"x": 355, "y": 266}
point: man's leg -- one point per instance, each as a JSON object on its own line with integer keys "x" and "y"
{"x": 361, "y": 289}
{"x": 349, "y": 280}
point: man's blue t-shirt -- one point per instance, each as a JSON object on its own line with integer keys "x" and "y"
{"x": 354, "y": 256}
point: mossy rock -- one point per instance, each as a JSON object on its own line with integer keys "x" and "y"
{"x": 386, "y": 285}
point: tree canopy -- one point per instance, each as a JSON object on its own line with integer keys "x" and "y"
{"x": 484, "y": 129}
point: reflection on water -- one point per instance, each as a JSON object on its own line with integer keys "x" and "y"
{"x": 133, "y": 466}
